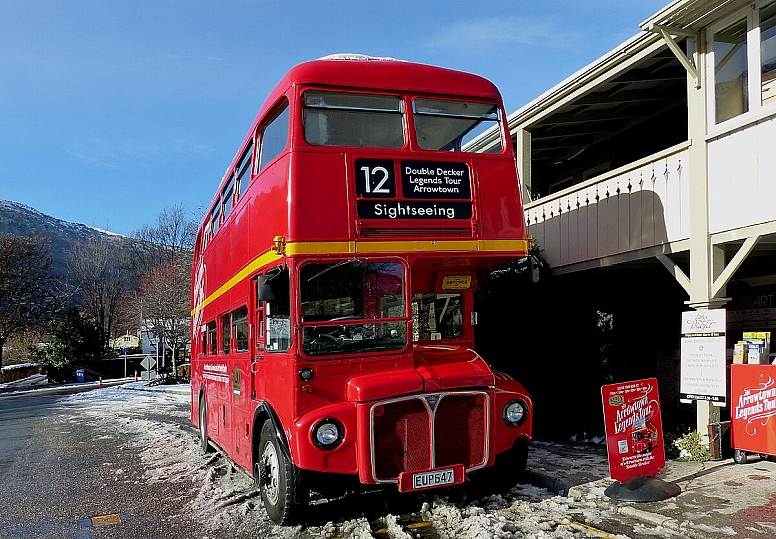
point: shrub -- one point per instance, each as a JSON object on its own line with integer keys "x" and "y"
{"x": 691, "y": 448}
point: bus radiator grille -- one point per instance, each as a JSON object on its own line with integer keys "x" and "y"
{"x": 402, "y": 441}
{"x": 402, "y": 438}
{"x": 459, "y": 431}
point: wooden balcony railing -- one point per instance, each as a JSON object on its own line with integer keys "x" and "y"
{"x": 640, "y": 205}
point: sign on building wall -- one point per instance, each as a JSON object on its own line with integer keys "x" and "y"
{"x": 703, "y": 375}
{"x": 634, "y": 429}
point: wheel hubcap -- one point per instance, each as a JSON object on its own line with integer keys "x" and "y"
{"x": 270, "y": 473}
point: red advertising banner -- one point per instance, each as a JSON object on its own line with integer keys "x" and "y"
{"x": 753, "y": 414}
{"x": 634, "y": 429}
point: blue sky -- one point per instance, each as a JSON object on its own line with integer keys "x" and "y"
{"x": 112, "y": 111}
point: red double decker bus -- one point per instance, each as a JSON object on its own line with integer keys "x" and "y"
{"x": 333, "y": 281}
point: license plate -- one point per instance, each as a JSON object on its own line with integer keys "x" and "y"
{"x": 433, "y": 479}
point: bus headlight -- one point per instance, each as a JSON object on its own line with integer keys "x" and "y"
{"x": 328, "y": 434}
{"x": 515, "y": 413}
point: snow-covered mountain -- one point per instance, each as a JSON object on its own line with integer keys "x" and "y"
{"x": 16, "y": 218}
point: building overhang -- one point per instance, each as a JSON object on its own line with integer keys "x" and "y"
{"x": 692, "y": 15}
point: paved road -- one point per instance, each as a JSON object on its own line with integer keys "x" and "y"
{"x": 58, "y": 470}
{"x": 17, "y": 417}
{"x": 122, "y": 463}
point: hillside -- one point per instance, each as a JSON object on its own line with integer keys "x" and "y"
{"x": 22, "y": 220}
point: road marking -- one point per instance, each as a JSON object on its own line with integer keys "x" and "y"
{"x": 103, "y": 520}
{"x": 605, "y": 535}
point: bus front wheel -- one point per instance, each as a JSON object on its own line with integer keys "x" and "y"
{"x": 279, "y": 480}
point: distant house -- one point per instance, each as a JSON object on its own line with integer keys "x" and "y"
{"x": 150, "y": 341}
{"x": 125, "y": 341}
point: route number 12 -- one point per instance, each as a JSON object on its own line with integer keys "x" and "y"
{"x": 375, "y": 178}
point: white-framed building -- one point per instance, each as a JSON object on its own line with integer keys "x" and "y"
{"x": 125, "y": 341}
{"x": 661, "y": 155}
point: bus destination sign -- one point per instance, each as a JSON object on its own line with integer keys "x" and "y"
{"x": 429, "y": 179}
{"x": 398, "y": 209}
{"x": 432, "y": 181}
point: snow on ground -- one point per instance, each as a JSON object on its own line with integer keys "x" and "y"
{"x": 17, "y": 366}
{"x": 158, "y": 425}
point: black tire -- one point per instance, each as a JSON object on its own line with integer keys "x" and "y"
{"x": 278, "y": 479}
{"x": 739, "y": 457}
{"x": 203, "y": 438}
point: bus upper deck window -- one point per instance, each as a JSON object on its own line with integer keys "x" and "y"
{"x": 244, "y": 171}
{"x": 214, "y": 219}
{"x": 274, "y": 138}
{"x": 449, "y": 125}
{"x": 226, "y": 199}
{"x": 358, "y": 120}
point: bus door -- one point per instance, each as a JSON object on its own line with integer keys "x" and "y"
{"x": 259, "y": 344}
{"x": 273, "y": 337}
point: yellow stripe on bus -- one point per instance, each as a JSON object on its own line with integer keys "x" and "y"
{"x": 365, "y": 247}
{"x": 352, "y": 247}
{"x": 321, "y": 247}
{"x": 255, "y": 264}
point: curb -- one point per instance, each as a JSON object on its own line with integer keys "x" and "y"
{"x": 547, "y": 482}
{"x": 59, "y": 389}
{"x": 655, "y": 519}
{"x": 578, "y": 494}
{"x": 175, "y": 389}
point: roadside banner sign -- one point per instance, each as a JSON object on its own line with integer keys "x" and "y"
{"x": 753, "y": 414}
{"x": 634, "y": 429}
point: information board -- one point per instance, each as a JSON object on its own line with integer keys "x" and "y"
{"x": 703, "y": 375}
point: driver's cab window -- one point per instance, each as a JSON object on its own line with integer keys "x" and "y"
{"x": 275, "y": 293}
{"x": 437, "y": 316}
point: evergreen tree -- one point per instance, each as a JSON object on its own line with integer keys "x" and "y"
{"x": 73, "y": 338}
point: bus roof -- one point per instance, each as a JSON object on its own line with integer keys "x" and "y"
{"x": 386, "y": 74}
{"x": 355, "y": 71}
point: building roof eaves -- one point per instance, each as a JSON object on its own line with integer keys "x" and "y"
{"x": 585, "y": 76}
{"x": 691, "y": 14}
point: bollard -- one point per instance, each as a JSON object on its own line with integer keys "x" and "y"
{"x": 716, "y": 431}
{"x": 100, "y": 382}
{"x": 135, "y": 376}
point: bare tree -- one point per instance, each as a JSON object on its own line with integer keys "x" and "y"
{"x": 28, "y": 292}
{"x": 102, "y": 274}
{"x": 163, "y": 261}
{"x": 170, "y": 240}
{"x": 164, "y": 291}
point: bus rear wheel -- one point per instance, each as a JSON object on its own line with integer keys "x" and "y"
{"x": 203, "y": 438}
{"x": 278, "y": 479}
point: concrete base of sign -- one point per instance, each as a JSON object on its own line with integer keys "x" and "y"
{"x": 642, "y": 488}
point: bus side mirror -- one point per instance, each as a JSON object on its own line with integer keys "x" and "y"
{"x": 265, "y": 291}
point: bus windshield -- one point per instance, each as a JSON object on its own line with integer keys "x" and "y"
{"x": 351, "y": 307}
